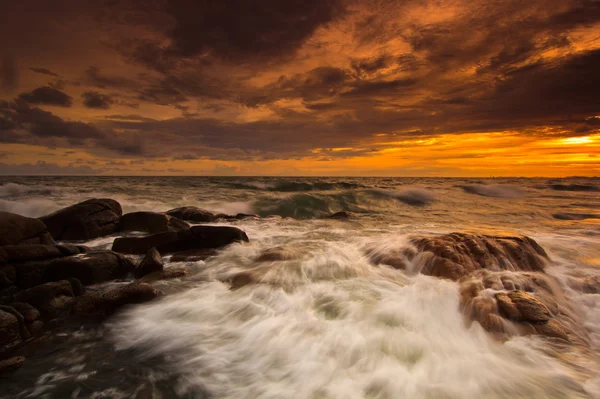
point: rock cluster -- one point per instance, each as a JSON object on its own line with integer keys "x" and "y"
{"x": 42, "y": 281}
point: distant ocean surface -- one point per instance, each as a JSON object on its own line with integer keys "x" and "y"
{"x": 348, "y": 329}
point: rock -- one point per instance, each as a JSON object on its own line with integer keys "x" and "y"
{"x": 193, "y": 255}
{"x": 151, "y": 222}
{"x": 11, "y": 364}
{"x": 20, "y": 319}
{"x": 28, "y": 252}
{"x": 243, "y": 216}
{"x": 10, "y": 331}
{"x": 96, "y": 305}
{"x": 276, "y": 254}
{"x": 78, "y": 288}
{"x": 17, "y": 230}
{"x": 529, "y": 308}
{"x": 241, "y": 279}
{"x": 552, "y": 328}
{"x": 165, "y": 274}
{"x": 152, "y": 262}
{"x": 197, "y": 237}
{"x": 507, "y": 308}
{"x": 193, "y": 214}
{"x": 51, "y": 299}
{"x": 30, "y": 314}
{"x": 456, "y": 255}
{"x": 89, "y": 219}
{"x": 339, "y": 215}
{"x": 89, "y": 268}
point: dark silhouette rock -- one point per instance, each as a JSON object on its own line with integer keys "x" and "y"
{"x": 30, "y": 313}
{"x": 89, "y": 219}
{"x": 339, "y": 215}
{"x": 17, "y": 230}
{"x": 99, "y": 306}
{"x": 151, "y": 263}
{"x": 51, "y": 299}
{"x": 194, "y": 214}
{"x": 197, "y": 237}
{"x": 11, "y": 364}
{"x": 20, "y": 319}
{"x": 243, "y": 216}
{"x": 29, "y": 252}
{"x": 151, "y": 222}
{"x": 89, "y": 268}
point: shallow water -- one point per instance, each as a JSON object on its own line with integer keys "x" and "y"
{"x": 330, "y": 324}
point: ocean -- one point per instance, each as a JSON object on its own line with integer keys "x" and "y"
{"x": 329, "y": 323}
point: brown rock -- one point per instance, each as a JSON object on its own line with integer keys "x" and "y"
{"x": 96, "y": 305}
{"x": 10, "y": 330}
{"x": 197, "y": 237}
{"x": 276, "y": 254}
{"x": 89, "y": 219}
{"x": 17, "y": 230}
{"x": 241, "y": 279}
{"x": 193, "y": 214}
{"x": 151, "y": 222}
{"x": 151, "y": 263}
{"x": 51, "y": 299}
{"x": 507, "y": 307}
{"x": 165, "y": 274}
{"x": 551, "y": 329}
{"x": 530, "y": 308}
{"x": 30, "y": 314}
{"x": 11, "y": 364}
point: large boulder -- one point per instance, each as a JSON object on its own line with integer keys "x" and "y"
{"x": 151, "y": 263}
{"x": 196, "y": 237}
{"x": 151, "y": 222}
{"x": 194, "y": 214}
{"x": 51, "y": 299}
{"x": 17, "y": 230}
{"x": 89, "y": 219}
{"x": 95, "y": 305}
{"x": 456, "y": 255}
{"x": 521, "y": 306}
{"x": 89, "y": 268}
{"x": 10, "y": 332}
{"x": 29, "y": 252}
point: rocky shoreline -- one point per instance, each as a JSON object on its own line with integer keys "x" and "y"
{"x": 503, "y": 285}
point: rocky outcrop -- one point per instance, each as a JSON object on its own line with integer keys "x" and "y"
{"x": 457, "y": 255}
{"x": 50, "y": 299}
{"x": 151, "y": 263}
{"x": 195, "y": 214}
{"x": 197, "y": 237}
{"x": 11, "y": 364}
{"x": 18, "y": 230}
{"x": 89, "y": 219}
{"x": 89, "y": 268}
{"x": 99, "y": 306}
{"x": 151, "y": 222}
{"x": 10, "y": 331}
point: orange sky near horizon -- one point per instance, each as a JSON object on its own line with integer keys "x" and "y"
{"x": 304, "y": 88}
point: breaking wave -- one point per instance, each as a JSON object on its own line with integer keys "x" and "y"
{"x": 494, "y": 190}
{"x": 295, "y": 186}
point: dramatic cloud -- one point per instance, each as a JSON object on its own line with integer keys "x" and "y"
{"x": 93, "y": 99}
{"x": 47, "y": 96}
{"x": 45, "y": 71}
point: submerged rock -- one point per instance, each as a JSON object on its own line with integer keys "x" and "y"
{"x": 456, "y": 255}
{"x": 84, "y": 221}
{"x": 152, "y": 262}
{"x": 197, "y": 237}
{"x": 277, "y": 254}
{"x": 99, "y": 306}
{"x": 151, "y": 222}
{"x": 165, "y": 274}
{"x": 193, "y": 255}
{"x": 19, "y": 230}
{"x": 339, "y": 215}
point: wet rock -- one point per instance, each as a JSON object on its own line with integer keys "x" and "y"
{"x": 86, "y": 220}
{"x": 151, "y": 222}
{"x": 242, "y": 279}
{"x": 339, "y": 215}
{"x": 51, "y": 299}
{"x": 276, "y": 254}
{"x": 551, "y": 328}
{"x": 194, "y": 214}
{"x": 193, "y": 255}
{"x": 529, "y": 308}
{"x": 8, "y": 275}
{"x": 94, "y": 305}
{"x": 10, "y": 330}
{"x": 89, "y": 268}
{"x": 18, "y": 230}
{"x": 152, "y": 262}
{"x": 165, "y": 274}
{"x": 30, "y": 314}
{"x": 507, "y": 308}
{"x": 197, "y": 237}
{"x": 456, "y": 255}
{"x": 20, "y": 319}
{"x": 244, "y": 216}
{"x": 11, "y": 364}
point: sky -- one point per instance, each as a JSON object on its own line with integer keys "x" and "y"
{"x": 300, "y": 87}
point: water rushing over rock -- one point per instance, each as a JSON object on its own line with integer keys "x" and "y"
{"x": 421, "y": 290}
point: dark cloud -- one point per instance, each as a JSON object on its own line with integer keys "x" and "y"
{"x": 47, "y": 96}
{"x": 46, "y": 168}
{"x": 94, "y": 99}
{"x": 95, "y": 77}
{"x": 45, "y": 71}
